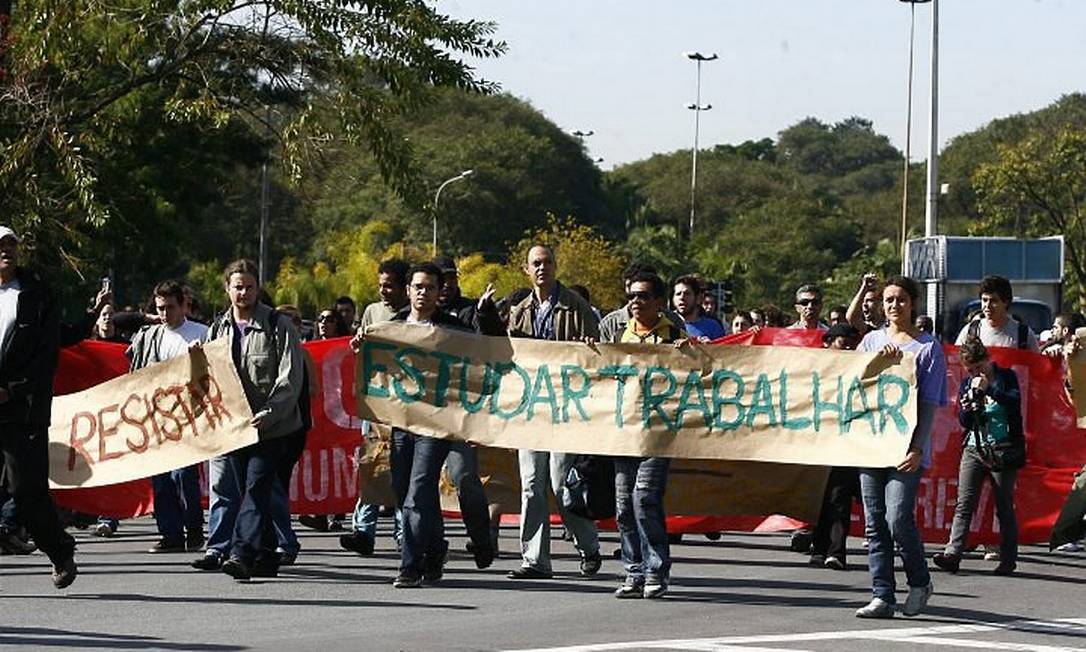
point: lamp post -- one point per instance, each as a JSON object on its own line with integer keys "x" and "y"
{"x": 697, "y": 108}
{"x": 908, "y": 128}
{"x": 437, "y": 195}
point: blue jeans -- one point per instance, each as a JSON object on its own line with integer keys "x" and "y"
{"x": 364, "y": 519}
{"x": 640, "y": 483}
{"x": 177, "y": 503}
{"x": 889, "y": 505}
{"x": 280, "y": 514}
{"x": 420, "y": 459}
{"x": 539, "y": 470}
{"x": 254, "y": 540}
{"x": 223, "y": 503}
{"x": 8, "y": 520}
{"x": 463, "y": 467}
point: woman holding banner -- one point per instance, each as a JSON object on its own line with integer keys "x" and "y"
{"x": 889, "y": 494}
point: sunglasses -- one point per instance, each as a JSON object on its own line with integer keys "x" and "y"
{"x": 326, "y": 318}
{"x": 808, "y": 302}
{"x": 640, "y": 296}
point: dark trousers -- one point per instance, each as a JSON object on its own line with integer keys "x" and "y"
{"x": 9, "y": 521}
{"x": 971, "y": 475}
{"x": 26, "y": 467}
{"x": 293, "y": 447}
{"x": 834, "y": 521}
{"x": 463, "y": 466}
{"x": 177, "y": 503}
{"x": 416, "y": 472}
{"x": 256, "y": 468}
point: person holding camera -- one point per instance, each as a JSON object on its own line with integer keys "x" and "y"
{"x": 990, "y": 412}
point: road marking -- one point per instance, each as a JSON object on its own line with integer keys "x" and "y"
{"x": 938, "y": 635}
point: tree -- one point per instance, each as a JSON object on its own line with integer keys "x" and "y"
{"x": 1038, "y": 188}
{"x": 303, "y": 75}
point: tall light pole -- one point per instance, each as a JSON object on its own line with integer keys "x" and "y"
{"x": 697, "y": 108}
{"x": 908, "y": 129}
{"x": 932, "y": 213}
{"x": 437, "y": 195}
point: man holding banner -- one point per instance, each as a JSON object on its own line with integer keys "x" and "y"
{"x": 29, "y": 333}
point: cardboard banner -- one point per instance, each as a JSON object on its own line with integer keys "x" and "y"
{"x": 807, "y": 406}
{"x": 166, "y": 416}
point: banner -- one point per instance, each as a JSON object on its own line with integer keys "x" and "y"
{"x": 327, "y": 477}
{"x": 808, "y": 406}
{"x": 166, "y": 416}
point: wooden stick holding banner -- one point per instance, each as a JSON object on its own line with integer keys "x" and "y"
{"x": 770, "y": 404}
{"x": 163, "y": 417}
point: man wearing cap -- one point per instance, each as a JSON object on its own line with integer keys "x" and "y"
{"x": 29, "y": 332}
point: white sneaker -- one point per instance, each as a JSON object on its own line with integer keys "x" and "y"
{"x": 1074, "y": 546}
{"x": 991, "y": 553}
{"x": 917, "y": 600}
{"x": 104, "y": 530}
{"x": 877, "y": 608}
{"x": 655, "y": 587}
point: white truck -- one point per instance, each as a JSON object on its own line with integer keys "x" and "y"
{"x": 951, "y": 267}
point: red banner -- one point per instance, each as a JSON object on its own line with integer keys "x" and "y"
{"x": 325, "y": 480}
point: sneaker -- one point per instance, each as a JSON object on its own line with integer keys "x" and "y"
{"x": 591, "y": 564}
{"x": 65, "y": 572}
{"x": 236, "y": 569}
{"x": 1073, "y": 546}
{"x": 991, "y": 553}
{"x": 833, "y": 563}
{"x": 655, "y": 587}
{"x": 407, "y": 581}
{"x": 207, "y": 563}
{"x": 633, "y": 587}
{"x": 168, "y": 545}
{"x": 917, "y": 599}
{"x": 817, "y": 560}
{"x": 484, "y": 557}
{"x": 529, "y": 573}
{"x": 104, "y": 530}
{"x": 801, "y": 541}
{"x": 194, "y": 541}
{"x": 357, "y": 542}
{"x": 13, "y": 544}
{"x": 318, "y": 523}
{"x": 433, "y": 566}
{"x": 877, "y": 608}
{"x": 1005, "y": 568}
{"x": 947, "y": 561}
{"x": 287, "y": 558}
{"x": 335, "y": 524}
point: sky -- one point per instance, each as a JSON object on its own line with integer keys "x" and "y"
{"x": 616, "y": 67}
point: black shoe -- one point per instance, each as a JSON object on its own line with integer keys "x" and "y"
{"x": 13, "y": 544}
{"x": 407, "y": 581}
{"x": 265, "y": 569}
{"x": 335, "y": 524}
{"x": 287, "y": 558}
{"x": 801, "y": 541}
{"x": 194, "y": 541}
{"x": 1005, "y": 568}
{"x": 357, "y": 542}
{"x": 433, "y": 566}
{"x": 528, "y": 573}
{"x": 712, "y": 536}
{"x": 591, "y": 564}
{"x": 484, "y": 557}
{"x": 236, "y": 569}
{"x": 318, "y": 523}
{"x": 947, "y": 562}
{"x": 65, "y": 572}
{"x": 168, "y": 545}
{"x": 207, "y": 563}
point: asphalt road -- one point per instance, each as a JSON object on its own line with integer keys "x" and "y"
{"x": 745, "y": 592}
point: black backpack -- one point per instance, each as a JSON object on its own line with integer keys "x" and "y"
{"x": 1023, "y": 332}
{"x": 590, "y": 487}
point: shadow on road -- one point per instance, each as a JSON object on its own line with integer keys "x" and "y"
{"x": 40, "y": 637}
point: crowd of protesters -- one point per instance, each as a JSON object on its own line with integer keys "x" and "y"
{"x": 249, "y": 527}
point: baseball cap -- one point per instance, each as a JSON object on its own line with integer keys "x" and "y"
{"x": 5, "y": 232}
{"x": 445, "y": 264}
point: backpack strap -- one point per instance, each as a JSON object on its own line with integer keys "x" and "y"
{"x": 1023, "y": 335}
{"x": 974, "y": 328}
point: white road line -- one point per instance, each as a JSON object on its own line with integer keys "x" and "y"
{"x": 986, "y": 645}
{"x": 901, "y": 634}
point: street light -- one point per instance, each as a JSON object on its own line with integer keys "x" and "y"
{"x": 697, "y": 108}
{"x": 437, "y": 195}
{"x": 581, "y": 135}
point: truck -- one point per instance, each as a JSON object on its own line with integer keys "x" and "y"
{"x": 950, "y": 269}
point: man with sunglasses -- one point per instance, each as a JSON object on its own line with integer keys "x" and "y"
{"x": 808, "y": 308}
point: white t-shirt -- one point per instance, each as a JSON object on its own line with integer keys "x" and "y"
{"x": 175, "y": 341}
{"x": 9, "y": 305}
{"x": 1006, "y": 336}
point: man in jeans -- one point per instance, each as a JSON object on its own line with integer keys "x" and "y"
{"x": 268, "y": 357}
{"x": 640, "y": 481}
{"x": 178, "y": 512}
{"x": 551, "y": 312}
{"x": 29, "y": 332}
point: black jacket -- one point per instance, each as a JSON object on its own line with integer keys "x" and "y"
{"x": 471, "y": 321}
{"x": 1003, "y": 389}
{"x": 31, "y": 358}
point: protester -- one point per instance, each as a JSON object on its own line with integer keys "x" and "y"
{"x": 758, "y": 318}
{"x": 331, "y": 324}
{"x": 741, "y": 323}
{"x": 889, "y": 494}
{"x": 451, "y": 300}
{"x": 105, "y": 330}
{"x": 29, "y": 329}
{"x": 808, "y": 308}
{"x": 616, "y": 320}
{"x": 837, "y": 316}
{"x": 392, "y": 287}
{"x": 996, "y": 326}
{"x": 994, "y": 447}
{"x": 829, "y": 538}
{"x": 268, "y": 358}
{"x": 551, "y": 312}
{"x": 179, "y": 514}
{"x": 348, "y": 313}
{"x": 924, "y": 324}
{"x": 865, "y": 310}
{"x": 687, "y": 293}
{"x": 640, "y": 482}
